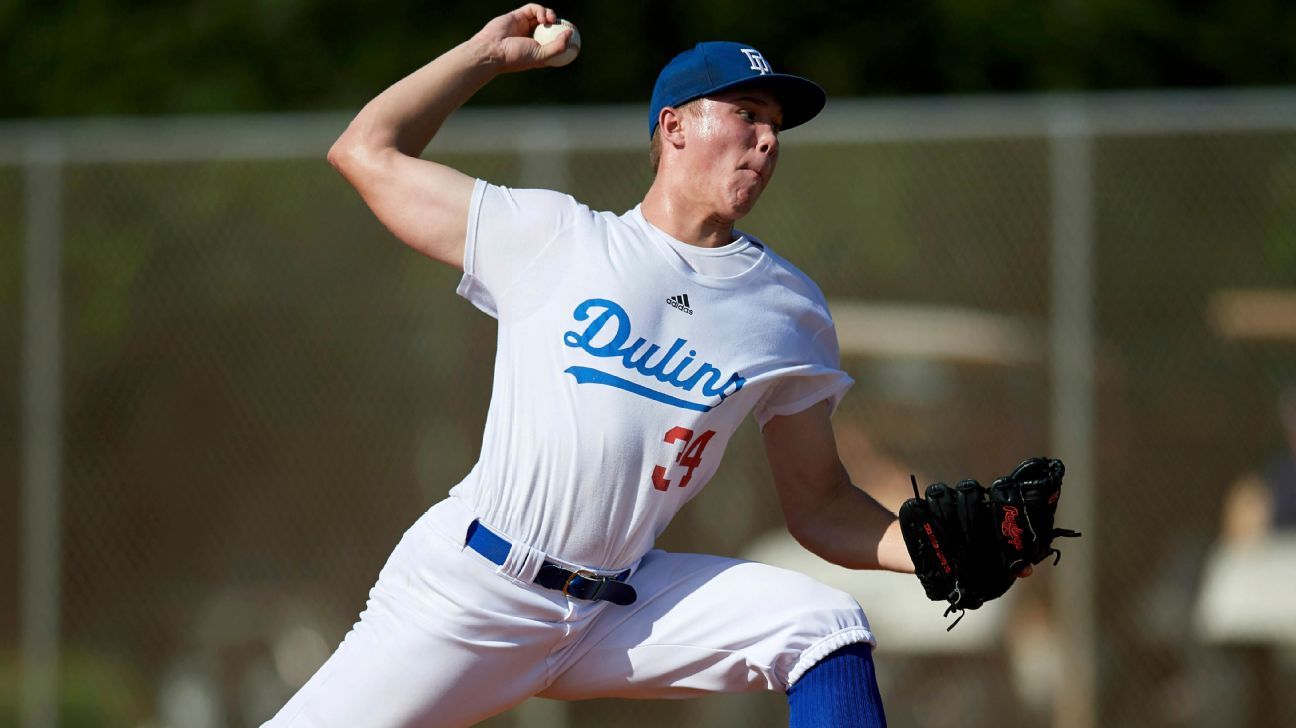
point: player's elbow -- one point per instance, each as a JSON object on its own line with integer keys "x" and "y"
{"x": 813, "y": 538}
{"x": 357, "y": 149}
{"x": 344, "y": 153}
{"x": 360, "y": 163}
{"x": 803, "y": 527}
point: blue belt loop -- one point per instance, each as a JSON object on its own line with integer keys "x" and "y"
{"x": 487, "y": 543}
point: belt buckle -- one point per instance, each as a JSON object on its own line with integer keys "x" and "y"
{"x": 579, "y": 572}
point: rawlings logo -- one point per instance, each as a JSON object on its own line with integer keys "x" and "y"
{"x": 1010, "y": 529}
{"x": 931, "y": 536}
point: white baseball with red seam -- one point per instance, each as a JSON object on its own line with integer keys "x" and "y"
{"x": 545, "y": 34}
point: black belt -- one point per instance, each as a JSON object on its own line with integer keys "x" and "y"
{"x": 581, "y": 584}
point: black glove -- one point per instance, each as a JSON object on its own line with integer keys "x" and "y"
{"x": 968, "y": 544}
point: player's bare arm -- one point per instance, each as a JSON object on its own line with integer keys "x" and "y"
{"x": 824, "y": 511}
{"x": 425, "y": 203}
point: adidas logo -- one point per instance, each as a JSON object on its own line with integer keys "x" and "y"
{"x": 681, "y": 302}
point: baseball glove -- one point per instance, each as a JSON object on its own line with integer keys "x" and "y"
{"x": 968, "y": 543}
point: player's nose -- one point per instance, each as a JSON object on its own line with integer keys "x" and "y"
{"x": 767, "y": 139}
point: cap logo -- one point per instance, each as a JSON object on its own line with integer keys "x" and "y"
{"x": 758, "y": 62}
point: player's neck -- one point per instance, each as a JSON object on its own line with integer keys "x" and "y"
{"x": 684, "y": 219}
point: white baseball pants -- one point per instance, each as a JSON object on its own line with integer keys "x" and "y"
{"x": 447, "y": 638}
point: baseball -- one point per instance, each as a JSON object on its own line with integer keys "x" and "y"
{"x": 545, "y": 34}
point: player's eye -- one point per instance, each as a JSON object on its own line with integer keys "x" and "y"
{"x": 751, "y": 117}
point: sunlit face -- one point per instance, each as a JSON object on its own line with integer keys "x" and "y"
{"x": 731, "y": 149}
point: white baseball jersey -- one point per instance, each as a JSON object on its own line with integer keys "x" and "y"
{"x": 620, "y": 377}
{"x": 622, "y": 373}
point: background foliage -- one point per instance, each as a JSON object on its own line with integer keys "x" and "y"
{"x": 151, "y": 57}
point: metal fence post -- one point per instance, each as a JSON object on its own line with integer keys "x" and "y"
{"x": 42, "y": 429}
{"x": 1072, "y": 431}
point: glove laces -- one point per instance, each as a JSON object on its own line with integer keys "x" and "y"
{"x": 954, "y": 600}
{"x": 1060, "y": 533}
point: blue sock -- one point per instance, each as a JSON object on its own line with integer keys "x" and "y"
{"x": 839, "y": 692}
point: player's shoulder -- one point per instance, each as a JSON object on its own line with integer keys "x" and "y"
{"x": 791, "y": 278}
{"x": 532, "y": 198}
{"x": 541, "y": 212}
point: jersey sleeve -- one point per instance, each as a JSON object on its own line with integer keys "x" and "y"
{"x": 821, "y": 378}
{"x": 507, "y": 230}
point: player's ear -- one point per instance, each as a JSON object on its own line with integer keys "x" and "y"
{"x": 670, "y": 124}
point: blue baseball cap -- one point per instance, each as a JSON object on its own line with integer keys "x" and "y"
{"x": 715, "y": 66}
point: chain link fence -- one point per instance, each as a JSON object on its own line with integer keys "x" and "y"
{"x": 257, "y": 390}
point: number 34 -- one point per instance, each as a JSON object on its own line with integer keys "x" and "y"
{"x": 690, "y": 455}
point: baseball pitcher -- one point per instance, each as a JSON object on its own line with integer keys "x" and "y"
{"x": 630, "y": 348}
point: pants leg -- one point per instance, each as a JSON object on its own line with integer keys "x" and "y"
{"x": 444, "y": 641}
{"x": 707, "y": 624}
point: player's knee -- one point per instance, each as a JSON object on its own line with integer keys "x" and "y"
{"x": 837, "y": 619}
{"x": 823, "y": 621}
{"x": 826, "y": 606}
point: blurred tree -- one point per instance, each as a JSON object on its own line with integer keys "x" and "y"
{"x": 145, "y": 56}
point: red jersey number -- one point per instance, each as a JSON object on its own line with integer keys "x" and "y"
{"x": 689, "y": 456}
